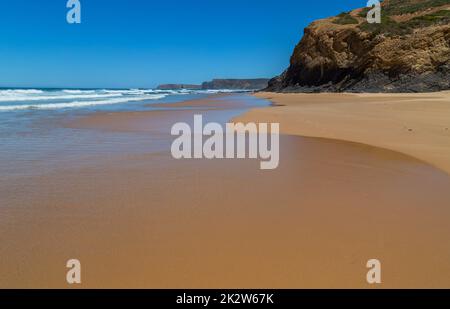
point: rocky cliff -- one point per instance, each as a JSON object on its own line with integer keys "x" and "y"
{"x": 242, "y": 84}
{"x": 216, "y": 84}
{"x": 178, "y": 86}
{"x": 409, "y": 51}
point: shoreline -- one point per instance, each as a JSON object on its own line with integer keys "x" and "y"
{"x": 413, "y": 124}
{"x": 157, "y": 117}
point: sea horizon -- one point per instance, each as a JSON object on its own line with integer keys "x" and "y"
{"x": 16, "y": 99}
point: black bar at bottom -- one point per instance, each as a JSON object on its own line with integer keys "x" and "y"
{"x": 222, "y": 298}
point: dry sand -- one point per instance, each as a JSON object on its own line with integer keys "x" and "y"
{"x": 149, "y": 221}
{"x": 414, "y": 124}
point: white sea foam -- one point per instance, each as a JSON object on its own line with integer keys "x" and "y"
{"x": 19, "y": 98}
{"x": 78, "y": 91}
{"x": 23, "y": 99}
{"x": 127, "y": 92}
{"x": 12, "y": 92}
{"x": 78, "y": 104}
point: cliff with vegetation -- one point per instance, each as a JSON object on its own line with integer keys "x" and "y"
{"x": 409, "y": 51}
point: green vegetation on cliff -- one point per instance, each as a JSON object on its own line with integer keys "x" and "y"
{"x": 389, "y": 26}
{"x": 345, "y": 19}
{"x": 407, "y": 52}
{"x": 400, "y": 7}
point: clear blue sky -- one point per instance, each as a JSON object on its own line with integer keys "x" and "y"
{"x": 141, "y": 43}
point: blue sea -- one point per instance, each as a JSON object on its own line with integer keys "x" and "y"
{"x": 13, "y": 100}
{"x": 34, "y": 139}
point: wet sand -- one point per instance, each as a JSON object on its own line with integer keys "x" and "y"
{"x": 149, "y": 221}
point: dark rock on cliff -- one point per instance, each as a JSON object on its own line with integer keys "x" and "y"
{"x": 408, "y": 52}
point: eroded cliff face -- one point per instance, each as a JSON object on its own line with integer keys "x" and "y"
{"x": 408, "y": 52}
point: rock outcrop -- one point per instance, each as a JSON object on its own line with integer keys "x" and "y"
{"x": 217, "y": 84}
{"x": 239, "y": 84}
{"x": 178, "y": 87}
{"x": 408, "y": 52}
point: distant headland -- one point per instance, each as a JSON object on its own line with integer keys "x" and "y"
{"x": 239, "y": 84}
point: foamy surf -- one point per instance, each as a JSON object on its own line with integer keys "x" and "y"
{"x": 52, "y": 99}
{"x": 78, "y": 104}
{"x": 78, "y": 91}
{"x": 56, "y": 97}
{"x": 12, "y": 92}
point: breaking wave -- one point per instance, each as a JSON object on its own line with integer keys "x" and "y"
{"x": 75, "y": 104}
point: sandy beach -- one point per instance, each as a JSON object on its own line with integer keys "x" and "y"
{"x": 414, "y": 124}
{"x": 212, "y": 152}
{"x": 312, "y": 223}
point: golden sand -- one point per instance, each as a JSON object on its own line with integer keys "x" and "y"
{"x": 149, "y": 221}
{"x": 414, "y": 124}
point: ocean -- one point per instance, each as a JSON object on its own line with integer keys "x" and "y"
{"x": 54, "y": 99}
{"x": 34, "y": 138}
